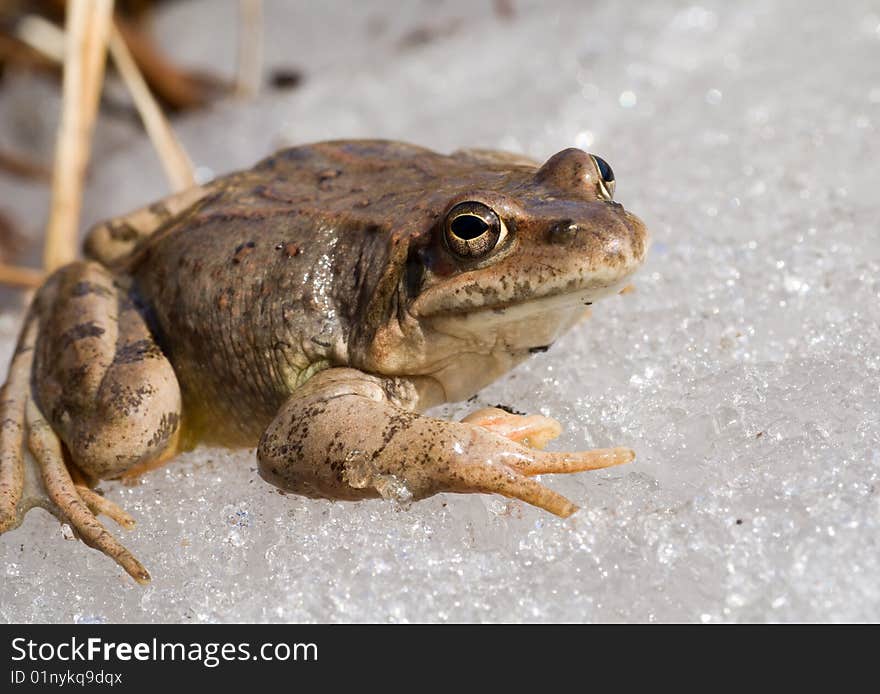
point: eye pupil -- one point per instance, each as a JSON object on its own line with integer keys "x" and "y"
{"x": 604, "y": 169}
{"x": 468, "y": 226}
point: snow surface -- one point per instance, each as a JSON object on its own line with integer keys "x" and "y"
{"x": 745, "y": 369}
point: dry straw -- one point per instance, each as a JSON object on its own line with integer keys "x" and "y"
{"x": 87, "y": 31}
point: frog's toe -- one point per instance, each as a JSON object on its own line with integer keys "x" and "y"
{"x": 551, "y": 463}
{"x": 100, "y": 505}
{"x": 13, "y": 396}
{"x": 78, "y": 505}
{"x": 534, "y": 431}
{"x": 487, "y": 478}
{"x": 495, "y": 465}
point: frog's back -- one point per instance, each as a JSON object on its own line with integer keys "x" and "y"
{"x": 256, "y": 286}
{"x": 263, "y": 280}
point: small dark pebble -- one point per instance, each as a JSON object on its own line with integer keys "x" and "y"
{"x": 285, "y": 78}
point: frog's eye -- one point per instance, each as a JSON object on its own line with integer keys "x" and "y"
{"x": 473, "y": 229}
{"x": 606, "y": 177}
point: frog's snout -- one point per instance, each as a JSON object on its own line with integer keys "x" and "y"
{"x": 639, "y": 236}
{"x": 625, "y": 251}
{"x": 608, "y": 242}
{"x": 564, "y": 231}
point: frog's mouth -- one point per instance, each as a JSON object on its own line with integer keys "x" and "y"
{"x": 474, "y": 292}
{"x": 526, "y": 326}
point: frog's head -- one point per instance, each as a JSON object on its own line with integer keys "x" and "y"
{"x": 506, "y": 265}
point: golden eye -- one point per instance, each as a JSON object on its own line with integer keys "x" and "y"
{"x": 606, "y": 177}
{"x": 472, "y": 229}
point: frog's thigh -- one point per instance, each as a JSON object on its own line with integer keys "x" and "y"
{"x": 114, "y": 238}
{"x": 101, "y": 380}
{"x": 345, "y": 435}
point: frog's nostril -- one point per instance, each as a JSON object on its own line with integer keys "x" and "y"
{"x": 562, "y": 230}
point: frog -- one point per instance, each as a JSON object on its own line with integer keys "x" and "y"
{"x": 314, "y": 307}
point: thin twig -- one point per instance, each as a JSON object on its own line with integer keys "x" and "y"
{"x": 177, "y": 88}
{"x": 250, "y": 48}
{"x": 18, "y": 276}
{"x": 42, "y": 35}
{"x": 23, "y": 167}
{"x": 87, "y": 29}
{"x": 177, "y": 165}
{"x": 47, "y": 38}
{"x": 15, "y": 51}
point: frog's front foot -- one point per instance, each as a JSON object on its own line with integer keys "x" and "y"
{"x": 351, "y": 436}
{"x": 532, "y": 430}
{"x": 536, "y": 431}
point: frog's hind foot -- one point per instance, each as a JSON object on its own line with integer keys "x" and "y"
{"x": 96, "y": 502}
{"x": 97, "y": 398}
{"x": 99, "y": 505}
{"x": 77, "y": 504}
{"x": 13, "y": 399}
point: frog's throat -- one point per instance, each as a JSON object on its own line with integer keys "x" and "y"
{"x": 451, "y": 356}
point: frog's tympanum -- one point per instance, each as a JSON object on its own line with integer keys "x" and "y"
{"x": 313, "y": 307}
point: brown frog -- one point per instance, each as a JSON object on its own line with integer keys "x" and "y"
{"x": 313, "y": 306}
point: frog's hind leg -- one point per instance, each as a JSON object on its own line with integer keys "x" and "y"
{"x": 98, "y": 504}
{"x": 20, "y": 485}
{"x": 115, "y": 238}
{"x": 68, "y": 499}
{"x": 101, "y": 379}
{"x": 98, "y": 399}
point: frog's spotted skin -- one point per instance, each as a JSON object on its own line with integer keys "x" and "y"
{"x": 313, "y": 306}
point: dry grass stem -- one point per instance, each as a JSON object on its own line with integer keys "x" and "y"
{"x": 177, "y": 165}
{"x": 87, "y": 30}
{"x": 42, "y": 35}
{"x": 250, "y": 48}
{"x": 24, "y": 277}
{"x": 23, "y": 167}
